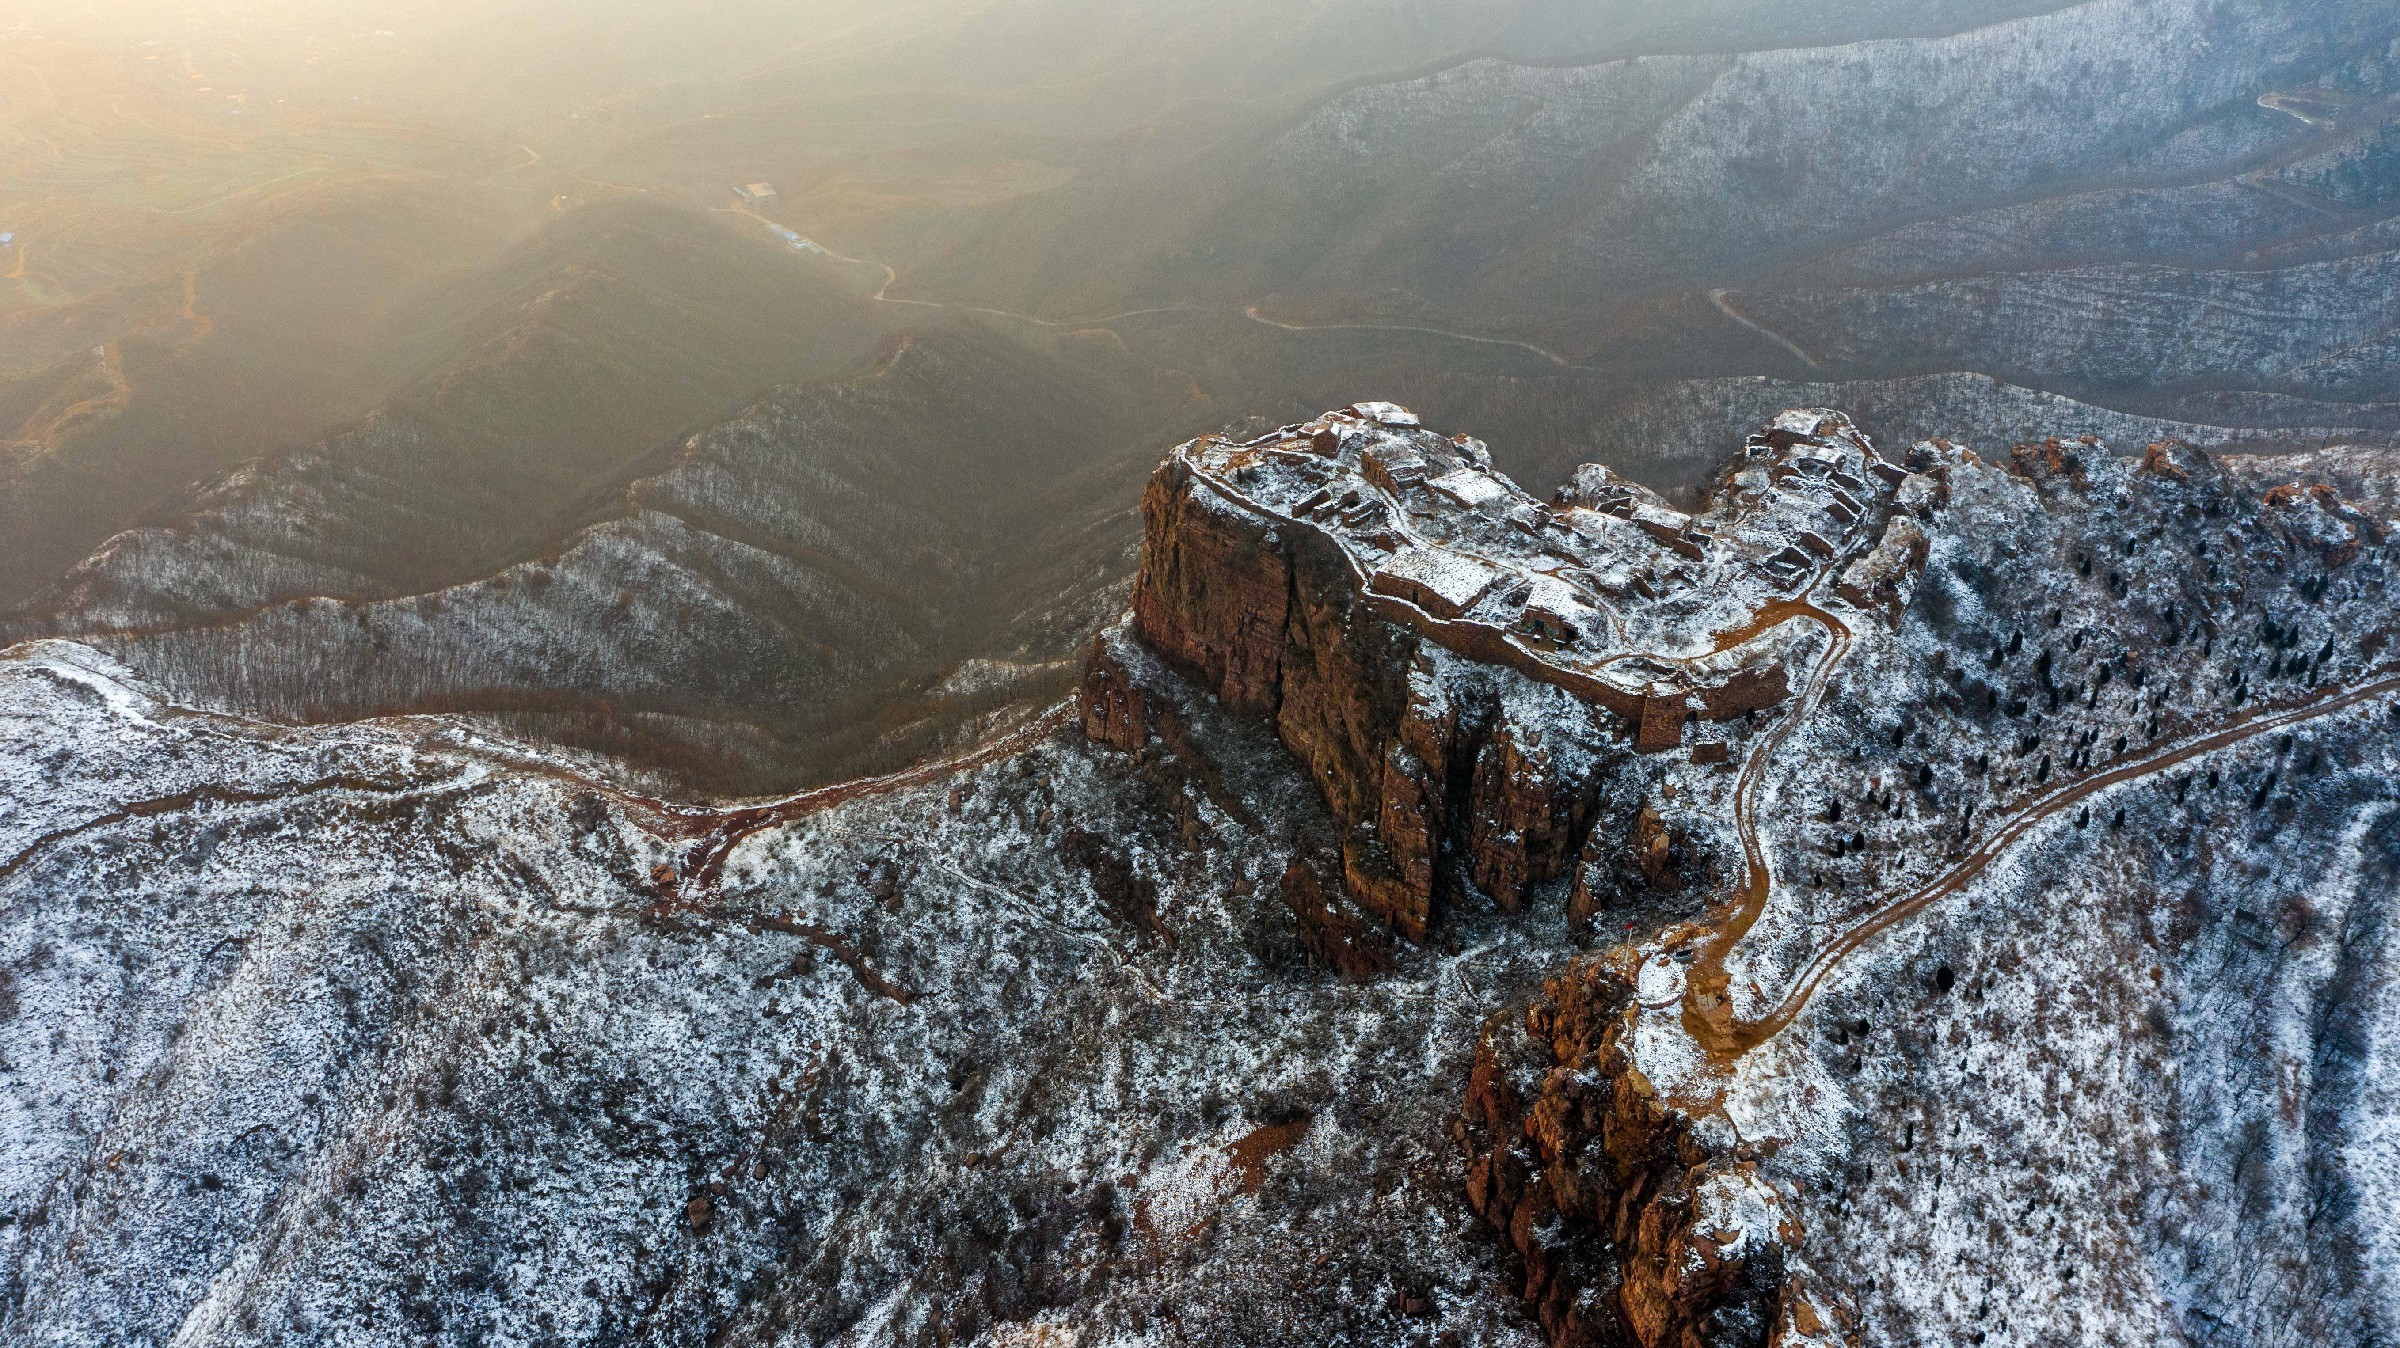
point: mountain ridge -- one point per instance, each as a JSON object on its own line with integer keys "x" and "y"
{"x": 1476, "y": 809}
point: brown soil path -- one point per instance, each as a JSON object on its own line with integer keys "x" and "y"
{"x": 1707, "y": 1014}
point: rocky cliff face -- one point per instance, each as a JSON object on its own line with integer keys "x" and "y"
{"x": 1922, "y": 896}
{"x": 1467, "y": 671}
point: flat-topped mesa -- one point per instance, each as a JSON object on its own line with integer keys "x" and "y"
{"x": 1467, "y": 670}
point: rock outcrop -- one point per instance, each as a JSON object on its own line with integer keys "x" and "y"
{"x": 1464, "y": 669}
{"x": 1633, "y": 1229}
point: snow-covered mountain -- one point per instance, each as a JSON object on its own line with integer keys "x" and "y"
{"x": 2172, "y": 209}
{"x": 1916, "y": 873}
{"x": 751, "y": 608}
{"x": 1926, "y": 893}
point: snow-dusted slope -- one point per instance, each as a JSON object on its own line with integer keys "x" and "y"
{"x": 1530, "y": 195}
{"x": 1684, "y": 427}
{"x": 2180, "y": 210}
{"x": 382, "y": 1034}
{"x": 1705, "y": 159}
{"x": 1919, "y": 897}
{"x": 742, "y": 611}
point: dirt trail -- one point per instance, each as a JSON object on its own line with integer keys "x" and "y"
{"x": 720, "y": 831}
{"x": 350, "y": 783}
{"x": 883, "y": 295}
{"x": 1723, "y": 300}
{"x": 1544, "y": 352}
{"x": 1710, "y": 1021}
{"x": 48, "y": 425}
{"x": 200, "y": 324}
{"x": 2292, "y": 107}
{"x": 2261, "y": 182}
{"x": 711, "y": 832}
{"x": 1707, "y": 1011}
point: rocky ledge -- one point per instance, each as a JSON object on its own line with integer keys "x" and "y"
{"x": 1462, "y": 666}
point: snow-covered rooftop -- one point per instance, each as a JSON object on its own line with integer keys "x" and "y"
{"x": 1595, "y": 588}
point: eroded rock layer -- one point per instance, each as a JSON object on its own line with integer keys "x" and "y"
{"x": 1465, "y": 670}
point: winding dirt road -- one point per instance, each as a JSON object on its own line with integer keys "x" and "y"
{"x": 1707, "y": 1013}
{"x": 1544, "y": 352}
{"x": 1706, "y": 1008}
{"x": 1724, "y": 302}
{"x": 720, "y": 831}
{"x": 883, "y": 295}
